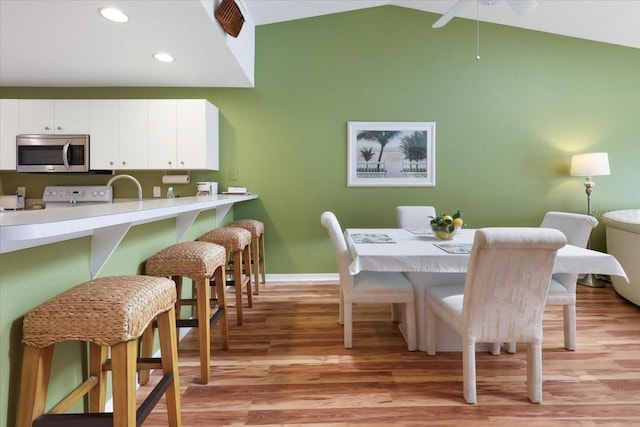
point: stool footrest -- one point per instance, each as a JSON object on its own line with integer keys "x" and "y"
{"x": 141, "y": 363}
{"x": 190, "y": 323}
{"x": 105, "y": 419}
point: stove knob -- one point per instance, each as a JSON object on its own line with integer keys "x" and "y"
{"x": 55, "y": 193}
{"x": 102, "y": 193}
{"x": 95, "y": 193}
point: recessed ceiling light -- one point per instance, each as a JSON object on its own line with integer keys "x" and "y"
{"x": 114, "y": 15}
{"x": 163, "y": 57}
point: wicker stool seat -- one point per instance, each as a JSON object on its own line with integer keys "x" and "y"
{"x": 256, "y": 228}
{"x": 237, "y": 242}
{"x": 110, "y": 312}
{"x": 201, "y": 262}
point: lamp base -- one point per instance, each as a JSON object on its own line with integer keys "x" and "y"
{"x": 590, "y": 281}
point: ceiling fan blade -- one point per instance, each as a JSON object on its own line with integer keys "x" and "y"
{"x": 522, "y": 7}
{"x": 450, "y": 14}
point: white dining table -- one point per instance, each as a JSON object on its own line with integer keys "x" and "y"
{"x": 415, "y": 252}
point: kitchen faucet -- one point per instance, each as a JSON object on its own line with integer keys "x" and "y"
{"x": 115, "y": 178}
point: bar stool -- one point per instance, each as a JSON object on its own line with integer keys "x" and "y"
{"x": 110, "y": 312}
{"x": 256, "y": 228}
{"x": 237, "y": 242}
{"x": 201, "y": 262}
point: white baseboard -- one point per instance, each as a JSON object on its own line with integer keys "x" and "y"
{"x": 306, "y": 277}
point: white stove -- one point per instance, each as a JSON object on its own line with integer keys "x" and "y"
{"x": 76, "y": 195}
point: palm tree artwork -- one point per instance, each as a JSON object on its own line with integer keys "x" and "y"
{"x": 367, "y": 154}
{"x": 405, "y": 153}
{"x": 414, "y": 147}
{"x": 382, "y": 137}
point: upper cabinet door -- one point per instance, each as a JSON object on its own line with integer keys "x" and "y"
{"x": 72, "y": 117}
{"x": 133, "y": 134}
{"x": 45, "y": 116}
{"x": 37, "y": 116}
{"x": 8, "y": 130}
{"x": 162, "y": 134}
{"x": 197, "y": 134}
{"x": 103, "y": 136}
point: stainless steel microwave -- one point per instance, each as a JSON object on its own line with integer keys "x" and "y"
{"x": 52, "y": 153}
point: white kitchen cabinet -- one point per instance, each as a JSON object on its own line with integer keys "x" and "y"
{"x": 9, "y": 126}
{"x": 132, "y": 134}
{"x": 162, "y": 134}
{"x": 124, "y": 134}
{"x": 197, "y": 134}
{"x": 46, "y": 116}
{"x": 104, "y": 135}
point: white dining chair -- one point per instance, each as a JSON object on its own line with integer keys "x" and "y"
{"x": 577, "y": 229}
{"x": 562, "y": 291}
{"x": 501, "y": 300}
{"x": 414, "y": 216}
{"x": 368, "y": 287}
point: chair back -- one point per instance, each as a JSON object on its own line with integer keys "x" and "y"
{"x": 507, "y": 283}
{"x": 577, "y": 229}
{"x": 343, "y": 256}
{"x": 414, "y": 216}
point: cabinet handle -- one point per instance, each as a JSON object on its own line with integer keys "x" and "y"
{"x": 169, "y": 163}
{"x": 46, "y": 128}
{"x": 59, "y": 127}
{"x": 182, "y": 163}
{"x": 111, "y": 163}
{"x": 124, "y": 163}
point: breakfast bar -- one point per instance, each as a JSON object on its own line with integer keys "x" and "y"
{"x": 107, "y": 224}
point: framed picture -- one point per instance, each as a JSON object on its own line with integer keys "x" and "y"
{"x": 391, "y": 154}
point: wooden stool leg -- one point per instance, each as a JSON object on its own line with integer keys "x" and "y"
{"x": 167, "y": 335}
{"x": 237, "y": 280}
{"x": 97, "y": 358}
{"x": 261, "y": 260}
{"x": 178, "y": 281}
{"x": 204, "y": 327}
{"x": 34, "y": 382}
{"x": 221, "y": 291}
{"x": 246, "y": 259}
{"x": 255, "y": 257}
{"x": 146, "y": 350}
{"x": 123, "y": 363}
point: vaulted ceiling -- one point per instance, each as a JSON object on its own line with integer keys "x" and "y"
{"x": 67, "y": 43}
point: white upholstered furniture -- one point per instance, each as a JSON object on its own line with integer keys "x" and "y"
{"x": 562, "y": 291}
{"x": 415, "y": 217}
{"x": 368, "y": 287}
{"x": 623, "y": 242}
{"x": 427, "y": 265}
{"x": 501, "y": 300}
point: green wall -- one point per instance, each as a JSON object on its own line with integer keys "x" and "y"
{"x": 506, "y": 128}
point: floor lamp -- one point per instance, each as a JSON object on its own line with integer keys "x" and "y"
{"x": 588, "y": 165}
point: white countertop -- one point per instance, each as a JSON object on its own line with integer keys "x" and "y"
{"x": 31, "y": 228}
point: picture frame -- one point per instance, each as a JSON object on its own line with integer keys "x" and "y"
{"x": 391, "y": 154}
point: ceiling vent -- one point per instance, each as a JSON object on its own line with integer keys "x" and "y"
{"x": 230, "y": 17}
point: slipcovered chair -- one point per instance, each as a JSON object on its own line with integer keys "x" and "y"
{"x": 414, "y": 216}
{"x": 501, "y": 300}
{"x": 562, "y": 291}
{"x": 368, "y": 286}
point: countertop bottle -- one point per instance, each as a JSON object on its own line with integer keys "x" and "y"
{"x": 170, "y": 193}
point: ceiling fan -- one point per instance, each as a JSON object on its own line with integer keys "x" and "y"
{"x": 520, "y": 7}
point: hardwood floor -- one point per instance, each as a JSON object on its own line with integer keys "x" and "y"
{"x": 287, "y": 366}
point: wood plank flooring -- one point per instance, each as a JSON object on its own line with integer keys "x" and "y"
{"x": 287, "y": 366}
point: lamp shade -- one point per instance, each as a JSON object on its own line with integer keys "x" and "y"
{"x": 590, "y": 164}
